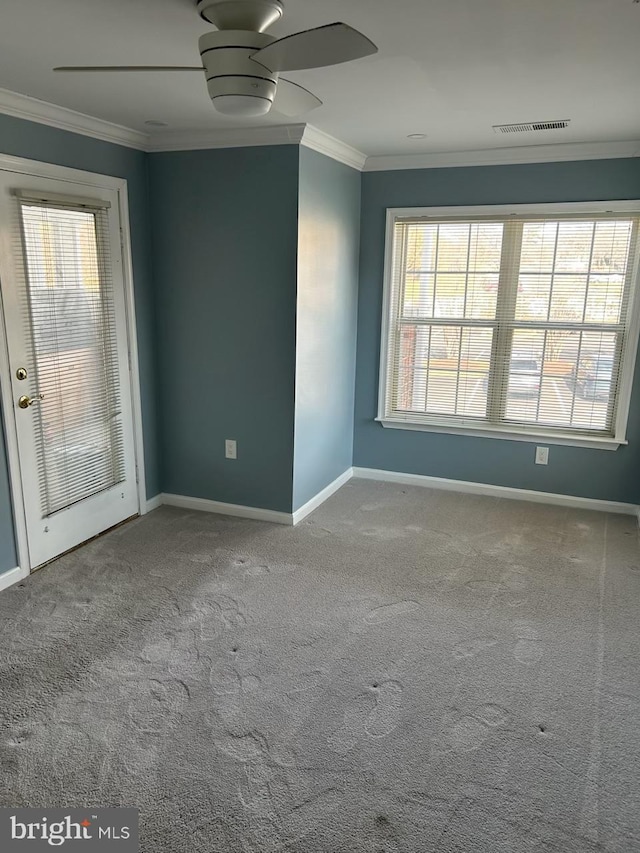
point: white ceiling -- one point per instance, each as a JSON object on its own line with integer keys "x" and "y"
{"x": 447, "y": 68}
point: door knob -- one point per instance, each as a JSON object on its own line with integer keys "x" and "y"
{"x": 24, "y": 402}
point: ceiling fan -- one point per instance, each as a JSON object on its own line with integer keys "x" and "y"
{"x": 242, "y": 63}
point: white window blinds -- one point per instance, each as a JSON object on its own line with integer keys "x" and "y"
{"x": 69, "y": 290}
{"x": 508, "y": 322}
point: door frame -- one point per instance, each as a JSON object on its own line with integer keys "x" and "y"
{"x": 37, "y": 169}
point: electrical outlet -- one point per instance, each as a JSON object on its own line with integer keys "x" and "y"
{"x": 542, "y": 455}
{"x": 230, "y": 448}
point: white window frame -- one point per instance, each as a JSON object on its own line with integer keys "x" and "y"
{"x": 429, "y": 423}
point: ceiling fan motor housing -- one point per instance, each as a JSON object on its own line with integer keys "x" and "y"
{"x": 257, "y": 15}
{"x": 237, "y": 84}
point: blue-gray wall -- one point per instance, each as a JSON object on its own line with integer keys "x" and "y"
{"x": 253, "y": 299}
{"x": 38, "y": 142}
{"x": 328, "y": 247}
{"x": 225, "y": 225}
{"x": 600, "y": 474}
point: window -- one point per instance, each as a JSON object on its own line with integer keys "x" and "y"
{"x": 71, "y": 306}
{"x": 518, "y": 322}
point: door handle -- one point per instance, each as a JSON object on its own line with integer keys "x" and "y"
{"x": 24, "y": 402}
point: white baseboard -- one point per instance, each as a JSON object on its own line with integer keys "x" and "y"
{"x": 322, "y": 496}
{"x": 152, "y": 503}
{"x": 12, "y": 576}
{"x": 441, "y": 483}
{"x": 205, "y": 505}
{"x": 496, "y": 491}
{"x": 254, "y": 512}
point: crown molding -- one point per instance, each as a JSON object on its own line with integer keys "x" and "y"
{"x": 283, "y": 134}
{"x": 62, "y": 118}
{"x": 506, "y": 156}
{"x": 328, "y": 145}
{"x": 236, "y": 137}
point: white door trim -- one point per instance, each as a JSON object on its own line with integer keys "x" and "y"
{"x": 35, "y": 168}
{"x": 12, "y": 576}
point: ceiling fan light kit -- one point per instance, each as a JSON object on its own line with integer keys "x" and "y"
{"x": 242, "y": 63}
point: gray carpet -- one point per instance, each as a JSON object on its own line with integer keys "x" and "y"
{"x": 407, "y": 670}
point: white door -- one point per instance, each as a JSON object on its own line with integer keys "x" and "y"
{"x": 64, "y": 310}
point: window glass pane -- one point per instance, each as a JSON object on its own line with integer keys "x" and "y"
{"x": 443, "y": 370}
{"x": 534, "y": 292}
{"x": 604, "y": 299}
{"x": 453, "y": 247}
{"x": 422, "y": 243}
{"x": 71, "y": 307}
{"x": 573, "y": 272}
{"x": 452, "y": 270}
{"x": 538, "y": 246}
{"x": 450, "y": 292}
{"x": 420, "y": 264}
{"x": 568, "y": 382}
{"x": 573, "y": 249}
{"x": 592, "y": 377}
{"x": 485, "y": 247}
{"x": 418, "y": 295}
{"x": 482, "y": 291}
{"x": 568, "y": 295}
{"x": 524, "y": 375}
{"x": 473, "y": 379}
{"x": 608, "y": 271}
{"x": 611, "y": 247}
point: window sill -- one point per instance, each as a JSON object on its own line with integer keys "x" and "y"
{"x": 506, "y": 434}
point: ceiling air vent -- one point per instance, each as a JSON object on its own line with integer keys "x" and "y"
{"x": 527, "y": 127}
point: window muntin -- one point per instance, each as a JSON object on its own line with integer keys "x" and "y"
{"x": 493, "y": 322}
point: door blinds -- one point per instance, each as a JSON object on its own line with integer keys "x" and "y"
{"x": 69, "y": 307}
{"x": 510, "y": 322}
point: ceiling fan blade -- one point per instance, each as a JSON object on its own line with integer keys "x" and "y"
{"x": 294, "y": 100}
{"x": 328, "y": 45}
{"x": 129, "y": 68}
